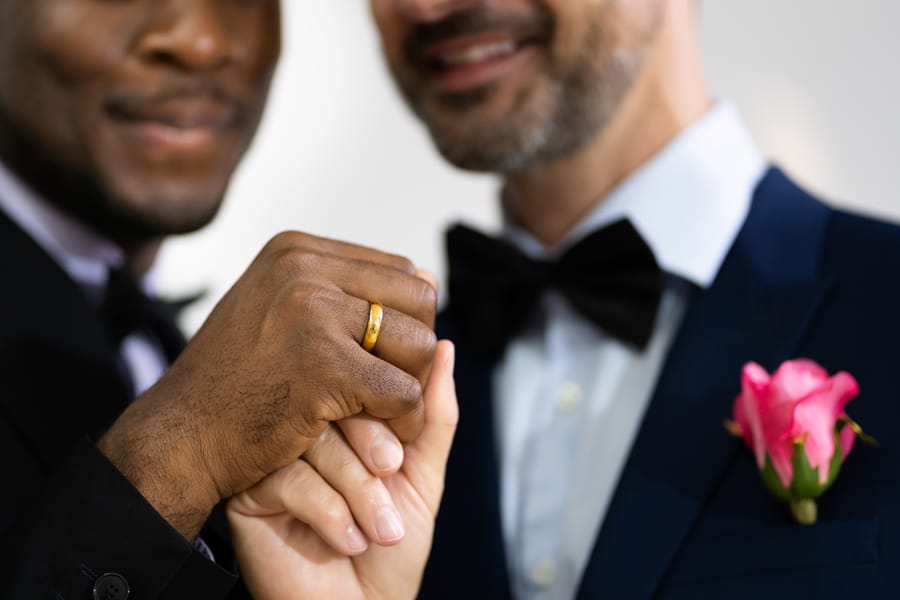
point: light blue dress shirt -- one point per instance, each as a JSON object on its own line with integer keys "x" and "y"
{"x": 568, "y": 399}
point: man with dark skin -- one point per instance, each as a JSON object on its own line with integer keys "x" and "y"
{"x": 648, "y": 252}
{"x": 120, "y": 124}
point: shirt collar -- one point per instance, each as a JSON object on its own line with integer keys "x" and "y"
{"x": 688, "y": 202}
{"x": 84, "y": 254}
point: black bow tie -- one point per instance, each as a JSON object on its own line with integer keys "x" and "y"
{"x": 127, "y": 309}
{"x": 610, "y": 276}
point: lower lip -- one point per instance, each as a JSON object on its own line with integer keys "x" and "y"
{"x": 173, "y": 141}
{"x": 464, "y": 78}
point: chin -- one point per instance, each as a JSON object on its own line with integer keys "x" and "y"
{"x": 159, "y": 213}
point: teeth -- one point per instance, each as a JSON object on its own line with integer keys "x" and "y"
{"x": 474, "y": 54}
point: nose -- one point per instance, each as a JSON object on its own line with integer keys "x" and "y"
{"x": 189, "y": 34}
{"x": 430, "y": 11}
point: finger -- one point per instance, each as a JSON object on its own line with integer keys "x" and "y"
{"x": 404, "y": 342}
{"x": 409, "y": 427}
{"x": 426, "y": 457}
{"x": 299, "y": 241}
{"x": 408, "y": 294}
{"x": 430, "y": 277}
{"x": 359, "y": 381}
{"x": 369, "y": 280}
{"x": 374, "y": 443}
{"x": 405, "y": 412}
{"x": 368, "y": 498}
{"x": 300, "y": 491}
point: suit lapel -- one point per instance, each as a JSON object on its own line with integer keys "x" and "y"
{"x": 757, "y": 309}
{"x": 60, "y": 380}
{"x": 468, "y": 536}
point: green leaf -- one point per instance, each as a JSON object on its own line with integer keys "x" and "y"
{"x": 805, "y": 483}
{"x": 864, "y": 437}
{"x": 772, "y": 481}
{"x": 836, "y": 461}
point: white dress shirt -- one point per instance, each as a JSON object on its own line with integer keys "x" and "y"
{"x": 569, "y": 399}
{"x": 86, "y": 256}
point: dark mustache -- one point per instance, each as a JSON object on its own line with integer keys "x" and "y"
{"x": 536, "y": 26}
{"x": 174, "y": 90}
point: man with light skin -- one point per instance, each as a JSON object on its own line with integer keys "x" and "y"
{"x": 121, "y": 124}
{"x": 648, "y": 252}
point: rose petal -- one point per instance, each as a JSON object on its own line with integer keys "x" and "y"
{"x": 814, "y": 418}
{"x": 754, "y": 383}
{"x": 848, "y": 438}
{"x": 794, "y": 380}
{"x": 797, "y": 378}
{"x": 781, "y": 452}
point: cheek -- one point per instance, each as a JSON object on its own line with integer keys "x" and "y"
{"x": 390, "y": 26}
{"x": 61, "y": 57}
{"x": 262, "y": 46}
{"x": 74, "y": 44}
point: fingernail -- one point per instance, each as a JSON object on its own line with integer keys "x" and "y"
{"x": 356, "y": 541}
{"x": 386, "y": 455}
{"x": 388, "y": 524}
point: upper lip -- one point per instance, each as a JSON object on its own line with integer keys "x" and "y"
{"x": 179, "y": 111}
{"x": 428, "y": 43}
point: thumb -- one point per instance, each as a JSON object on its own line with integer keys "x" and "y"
{"x": 426, "y": 457}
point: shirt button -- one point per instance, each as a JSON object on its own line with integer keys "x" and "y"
{"x": 542, "y": 574}
{"x": 569, "y": 398}
{"x": 111, "y": 586}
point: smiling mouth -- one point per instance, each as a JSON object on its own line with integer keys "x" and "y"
{"x": 181, "y": 126}
{"x": 472, "y": 54}
{"x": 469, "y": 62}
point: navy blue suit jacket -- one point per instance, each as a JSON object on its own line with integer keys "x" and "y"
{"x": 690, "y": 517}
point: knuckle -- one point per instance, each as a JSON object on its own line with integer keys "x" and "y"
{"x": 324, "y": 443}
{"x": 427, "y": 295}
{"x": 313, "y": 303}
{"x": 347, "y": 464}
{"x": 338, "y": 405}
{"x": 426, "y": 342}
{"x": 401, "y": 263}
{"x": 409, "y": 394}
{"x": 331, "y": 511}
{"x": 285, "y": 242}
{"x": 304, "y": 262}
{"x": 298, "y": 479}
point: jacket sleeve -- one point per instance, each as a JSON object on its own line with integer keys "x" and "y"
{"x": 88, "y": 528}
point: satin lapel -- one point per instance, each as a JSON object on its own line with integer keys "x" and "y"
{"x": 758, "y": 308}
{"x": 59, "y": 379}
{"x": 468, "y": 545}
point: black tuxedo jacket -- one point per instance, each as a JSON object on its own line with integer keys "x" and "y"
{"x": 690, "y": 517}
{"x": 67, "y": 516}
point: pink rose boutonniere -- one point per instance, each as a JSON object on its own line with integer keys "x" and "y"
{"x": 795, "y": 424}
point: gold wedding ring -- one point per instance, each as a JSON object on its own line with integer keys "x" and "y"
{"x": 373, "y": 327}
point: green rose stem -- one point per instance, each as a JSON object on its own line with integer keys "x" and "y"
{"x": 804, "y": 511}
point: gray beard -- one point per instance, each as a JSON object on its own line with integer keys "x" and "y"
{"x": 568, "y": 109}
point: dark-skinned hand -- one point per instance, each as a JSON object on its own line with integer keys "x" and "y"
{"x": 278, "y": 359}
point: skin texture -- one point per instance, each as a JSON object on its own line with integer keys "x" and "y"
{"x": 131, "y": 116}
{"x": 592, "y": 89}
{"x": 551, "y": 103}
{"x": 271, "y": 517}
{"x": 270, "y": 368}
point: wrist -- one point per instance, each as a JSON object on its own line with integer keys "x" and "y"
{"x": 162, "y": 463}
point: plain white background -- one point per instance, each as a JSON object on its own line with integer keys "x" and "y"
{"x": 339, "y": 155}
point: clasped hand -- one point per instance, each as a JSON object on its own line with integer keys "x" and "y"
{"x": 277, "y": 361}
